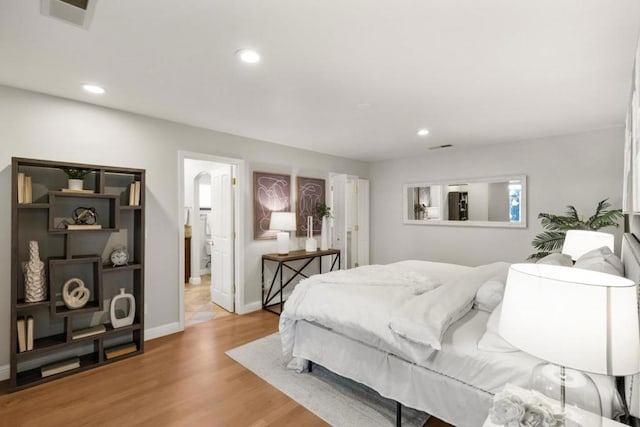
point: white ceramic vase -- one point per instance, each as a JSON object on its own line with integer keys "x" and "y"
{"x": 324, "y": 236}
{"x": 35, "y": 287}
{"x": 75, "y": 184}
{"x": 119, "y": 322}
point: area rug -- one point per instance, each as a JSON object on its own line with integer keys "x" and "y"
{"x": 337, "y": 400}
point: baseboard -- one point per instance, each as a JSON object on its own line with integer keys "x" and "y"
{"x": 4, "y": 372}
{"x": 161, "y": 331}
{"x": 249, "y": 308}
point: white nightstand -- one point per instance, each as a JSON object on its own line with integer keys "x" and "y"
{"x": 606, "y": 422}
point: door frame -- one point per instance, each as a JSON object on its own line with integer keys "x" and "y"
{"x": 238, "y": 224}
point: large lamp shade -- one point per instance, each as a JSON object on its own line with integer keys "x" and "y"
{"x": 573, "y": 317}
{"x": 579, "y": 242}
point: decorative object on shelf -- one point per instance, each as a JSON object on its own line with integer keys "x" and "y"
{"x": 556, "y": 226}
{"x": 325, "y": 213}
{"x": 35, "y": 286}
{"x": 85, "y": 216}
{"x": 119, "y": 256}
{"x": 76, "y": 297}
{"x": 127, "y": 319}
{"x": 59, "y": 367}
{"x": 311, "y": 244}
{"x": 134, "y": 193}
{"x": 120, "y": 350}
{"x": 87, "y": 332}
{"x": 271, "y": 193}
{"x": 531, "y": 410}
{"x": 187, "y": 224}
{"x": 283, "y": 222}
{"x": 76, "y": 176}
{"x": 599, "y": 335}
{"x": 310, "y": 192}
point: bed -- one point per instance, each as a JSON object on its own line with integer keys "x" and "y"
{"x": 456, "y": 382}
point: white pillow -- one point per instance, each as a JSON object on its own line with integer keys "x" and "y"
{"x": 601, "y": 260}
{"x": 425, "y": 318}
{"x": 489, "y": 295}
{"x": 491, "y": 340}
{"x": 556, "y": 259}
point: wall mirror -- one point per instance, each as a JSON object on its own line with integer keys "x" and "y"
{"x": 480, "y": 202}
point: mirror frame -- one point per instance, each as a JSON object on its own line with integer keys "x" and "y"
{"x": 446, "y": 222}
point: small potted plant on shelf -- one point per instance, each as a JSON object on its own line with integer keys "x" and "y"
{"x": 76, "y": 176}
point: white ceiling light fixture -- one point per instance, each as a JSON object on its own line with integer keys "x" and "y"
{"x": 249, "y": 56}
{"x": 94, "y": 89}
{"x": 423, "y": 132}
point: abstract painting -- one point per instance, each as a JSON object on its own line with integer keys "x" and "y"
{"x": 271, "y": 193}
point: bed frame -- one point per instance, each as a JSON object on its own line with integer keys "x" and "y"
{"x": 465, "y": 405}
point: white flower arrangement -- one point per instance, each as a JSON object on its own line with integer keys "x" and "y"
{"x": 510, "y": 410}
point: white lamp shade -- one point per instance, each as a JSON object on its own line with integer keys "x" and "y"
{"x": 573, "y": 317}
{"x": 579, "y": 242}
{"x": 283, "y": 221}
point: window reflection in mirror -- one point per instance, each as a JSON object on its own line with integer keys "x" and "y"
{"x": 482, "y": 202}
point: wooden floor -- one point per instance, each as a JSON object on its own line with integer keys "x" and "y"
{"x": 183, "y": 379}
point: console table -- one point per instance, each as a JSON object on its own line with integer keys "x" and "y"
{"x": 283, "y": 261}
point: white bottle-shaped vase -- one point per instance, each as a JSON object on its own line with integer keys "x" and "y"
{"x": 35, "y": 287}
{"x": 119, "y": 322}
{"x": 324, "y": 236}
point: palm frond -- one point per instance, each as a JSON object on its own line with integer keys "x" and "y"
{"x": 556, "y": 222}
{"x": 606, "y": 219}
{"x": 549, "y": 241}
{"x": 573, "y": 213}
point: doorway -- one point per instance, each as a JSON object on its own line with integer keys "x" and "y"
{"x": 210, "y": 229}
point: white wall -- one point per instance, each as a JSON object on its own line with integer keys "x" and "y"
{"x": 576, "y": 169}
{"x": 44, "y": 127}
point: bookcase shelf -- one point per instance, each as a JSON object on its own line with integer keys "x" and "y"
{"x": 118, "y": 198}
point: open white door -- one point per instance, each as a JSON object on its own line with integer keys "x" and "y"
{"x": 222, "y": 235}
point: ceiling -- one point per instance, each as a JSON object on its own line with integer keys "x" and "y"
{"x": 472, "y": 72}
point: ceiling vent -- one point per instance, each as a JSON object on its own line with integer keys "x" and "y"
{"x": 76, "y": 12}
{"x": 439, "y": 147}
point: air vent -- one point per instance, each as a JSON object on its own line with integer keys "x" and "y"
{"x": 439, "y": 147}
{"x": 76, "y": 12}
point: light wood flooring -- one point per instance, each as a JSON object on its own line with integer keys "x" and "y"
{"x": 184, "y": 379}
{"x": 198, "y": 306}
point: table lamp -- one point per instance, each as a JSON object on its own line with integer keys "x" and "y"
{"x": 283, "y": 222}
{"x": 577, "y": 319}
{"x": 579, "y": 242}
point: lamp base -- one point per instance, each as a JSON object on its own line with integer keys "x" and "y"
{"x": 283, "y": 243}
{"x": 574, "y": 392}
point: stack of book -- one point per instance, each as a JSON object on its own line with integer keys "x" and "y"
{"x": 59, "y": 367}
{"x": 134, "y": 194}
{"x": 25, "y": 191}
{"x": 25, "y": 334}
{"x": 120, "y": 350}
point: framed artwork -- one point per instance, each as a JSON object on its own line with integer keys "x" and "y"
{"x": 310, "y": 192}
{"x": 271, "y": 193}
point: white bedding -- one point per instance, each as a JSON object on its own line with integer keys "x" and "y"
{"x": 361, "y": 302}
{"x": 362, "y": 315}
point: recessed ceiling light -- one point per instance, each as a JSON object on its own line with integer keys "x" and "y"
{"x": 423, "y": 132}
{"x": 249, "y": 56}
{"x": 97, "y": 90}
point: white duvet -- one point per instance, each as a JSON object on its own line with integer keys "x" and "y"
{"x": 403, "y": 308}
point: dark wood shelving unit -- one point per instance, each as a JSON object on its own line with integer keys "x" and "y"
{"x": 68, "y": 254}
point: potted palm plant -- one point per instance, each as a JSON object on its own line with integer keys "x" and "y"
{"x": 556, "y": 226}
{"x": 75, "y": 177}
